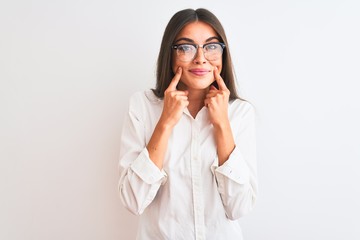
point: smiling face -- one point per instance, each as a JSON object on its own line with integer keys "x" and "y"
{"x": 197, "y": 73}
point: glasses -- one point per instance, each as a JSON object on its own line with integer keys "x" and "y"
{"x": 187, "y": 52}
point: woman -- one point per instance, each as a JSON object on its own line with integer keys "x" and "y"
{"x": 187, "y": 158}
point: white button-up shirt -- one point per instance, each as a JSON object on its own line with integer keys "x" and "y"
{"x": 191, "y": 197}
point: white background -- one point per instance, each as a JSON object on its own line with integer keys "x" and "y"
{"x": 67, "y": 69}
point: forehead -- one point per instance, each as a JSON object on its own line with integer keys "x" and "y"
{"x": 197, "y": 31}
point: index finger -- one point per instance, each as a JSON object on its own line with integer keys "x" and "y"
{"x": 219, "y": 80}
{"x": 174, "y": 82}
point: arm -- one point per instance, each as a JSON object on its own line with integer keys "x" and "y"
{"x": 235, "y": 167}
{"x": 217, "y": 101}
{"x": 174, "y": 103}
{"x": 141, "y": 173}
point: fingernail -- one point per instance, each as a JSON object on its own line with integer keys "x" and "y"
{"x": 179, "y": 69}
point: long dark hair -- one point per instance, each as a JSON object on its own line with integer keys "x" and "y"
{"x": 164, "y": 72}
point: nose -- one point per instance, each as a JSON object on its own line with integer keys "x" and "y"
{"x": 199, "y": 56}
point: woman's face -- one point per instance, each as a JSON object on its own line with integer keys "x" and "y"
{"x": 197, "y": 73}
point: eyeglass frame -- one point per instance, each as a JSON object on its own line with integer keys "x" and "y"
{"x": 197, "y": 46}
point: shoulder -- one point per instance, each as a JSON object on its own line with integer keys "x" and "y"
{"x": 143, "y": 101}
{"x": 241, "y": 108}
{"x": 143, "y": 97}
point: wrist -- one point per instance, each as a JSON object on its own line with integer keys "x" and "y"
{"x": 222, "y": 125}
{"x": 164, "y": 126}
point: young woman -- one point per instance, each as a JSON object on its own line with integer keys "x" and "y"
{"x": 187, "y": 158}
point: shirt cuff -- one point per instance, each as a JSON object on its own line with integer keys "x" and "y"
{"x": 147, "y": 170}
{"x": 235, "y": 168}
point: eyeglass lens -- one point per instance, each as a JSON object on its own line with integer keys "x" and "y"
{"x": 187, "y": 52}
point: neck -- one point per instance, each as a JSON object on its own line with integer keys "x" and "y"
{"x": 196, "y": 100}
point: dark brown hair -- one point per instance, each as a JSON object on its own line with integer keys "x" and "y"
{"x": 164, "y": 72}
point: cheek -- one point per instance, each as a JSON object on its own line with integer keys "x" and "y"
{"x": 218, "y": 65}
{"x": 177, "y": 64}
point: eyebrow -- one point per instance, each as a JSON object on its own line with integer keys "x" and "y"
{"x": 192, "y": 41}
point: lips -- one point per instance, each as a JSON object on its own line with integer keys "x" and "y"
{"x": 199, "y": 71}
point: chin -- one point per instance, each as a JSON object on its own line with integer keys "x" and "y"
{"x": 201, "y": 87}
{"x": 198, "y": 82}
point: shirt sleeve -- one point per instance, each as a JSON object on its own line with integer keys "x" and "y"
{"x": 140, "y": 178}
{"x": 237, "y": 177}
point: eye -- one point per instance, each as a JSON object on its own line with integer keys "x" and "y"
{"x": 212, "y": 47}
{"x": 185, "y": 48}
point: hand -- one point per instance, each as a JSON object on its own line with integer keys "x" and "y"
{"x": 175, "y": 101}
{"x": 217, "y": 101}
